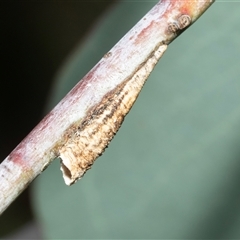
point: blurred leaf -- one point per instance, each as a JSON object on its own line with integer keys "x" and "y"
{"x": 173, "y": 170}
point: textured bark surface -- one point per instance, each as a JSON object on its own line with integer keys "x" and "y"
{"x": 49, "y": 139}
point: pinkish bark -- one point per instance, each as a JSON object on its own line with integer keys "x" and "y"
{"x": 157, "y": 28}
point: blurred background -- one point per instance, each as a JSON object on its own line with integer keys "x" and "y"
{"x": 173, "y": 170}
{"x": 36, "y": 37}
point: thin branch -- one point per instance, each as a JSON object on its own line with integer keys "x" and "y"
{"x": 80, "y": 127}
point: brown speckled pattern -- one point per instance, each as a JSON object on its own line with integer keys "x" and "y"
{"x": 88, "y": 140}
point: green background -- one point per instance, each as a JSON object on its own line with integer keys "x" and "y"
{"x": 173, "y": 169}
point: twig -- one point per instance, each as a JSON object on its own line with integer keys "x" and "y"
{"x": 80, "y": 127}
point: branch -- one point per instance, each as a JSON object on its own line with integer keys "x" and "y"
{"x": 81, "y": 126}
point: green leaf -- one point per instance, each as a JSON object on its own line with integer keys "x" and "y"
{"x": 173, "y": 169}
